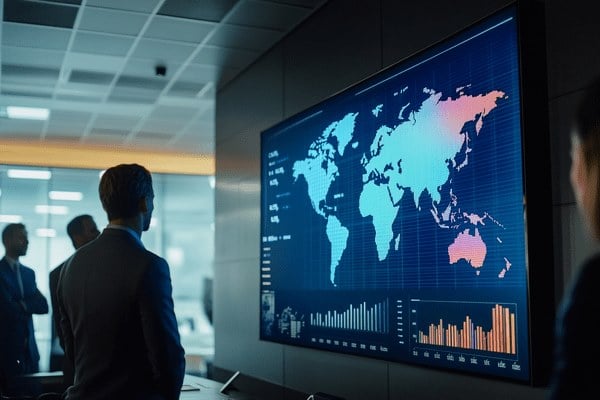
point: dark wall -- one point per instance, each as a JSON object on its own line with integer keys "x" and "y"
{"x": 344, "y": 42}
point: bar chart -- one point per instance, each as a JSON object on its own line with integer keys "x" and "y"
{"x": 360, "y": 317}
{"x": 491, "y": 328}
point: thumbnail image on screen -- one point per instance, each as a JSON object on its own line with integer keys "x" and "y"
{"x": 393, "y": 217}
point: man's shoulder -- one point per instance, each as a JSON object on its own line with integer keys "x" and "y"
{"x": 56, "y": 271}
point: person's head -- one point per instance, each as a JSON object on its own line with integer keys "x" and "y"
{"x": 126, "y": 193}
{"x": 82, "y": 229}
{"x": 585, "y": 153}
{"x": 14, "y": 238}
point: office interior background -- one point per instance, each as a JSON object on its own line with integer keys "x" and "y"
{"x": 105, "y": 82}
{"x": 182, "y": 231}
{"x": 338, "y": 43}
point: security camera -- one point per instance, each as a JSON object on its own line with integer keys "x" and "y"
{"x": 161, "y": 70}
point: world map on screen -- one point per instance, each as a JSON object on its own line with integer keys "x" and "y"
{"x": 442, "y": 128}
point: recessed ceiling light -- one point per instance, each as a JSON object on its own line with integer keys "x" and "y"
{"x": 62, "y": 195}
{"x": 10, "y": 218}
{"x": 41, "y": 114}
{"x": 45, "y": 232}
{"x": 29, "y": 174}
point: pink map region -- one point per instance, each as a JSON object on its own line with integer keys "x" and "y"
{"x": 470, "y": 248}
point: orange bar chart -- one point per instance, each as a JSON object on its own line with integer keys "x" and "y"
{"x": 500, "y": 338}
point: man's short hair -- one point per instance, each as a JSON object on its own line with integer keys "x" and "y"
{"x": 10, "y": 229}
{"x": 121, "y": 189}
{"x": 75, "y": 226}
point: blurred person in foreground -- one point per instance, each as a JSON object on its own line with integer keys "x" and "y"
{"x": 81, "y": 230}
{"x": 20, "y": 298}
{"x": 115, "y": 298}
{"x": 576, "y": 358}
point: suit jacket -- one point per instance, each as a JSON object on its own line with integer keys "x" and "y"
{"x": 118, "y": 322}
{"x": 18, "y": 348}
{"x": 576, "y": 356}
{"x": 53, "y": 284}
{"x": 57, "y": 358}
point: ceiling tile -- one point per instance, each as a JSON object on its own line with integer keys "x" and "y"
{"x": 199, "y": 73}
{"x": 23, "y": 35}
{"x": 21, "y": 128}
{"x": 23, "y": 92}
{"x": 185, "y": 89}
{"x": 146, "y": 67}
{"x": 127, "y": 95}
{"x": 79, "y": 98}
{"x": 40, "y": 13}
{"x": 33, "y": 57}
{"x": 161, "y": 50}
{"x": 73, "y": 91}
{"x": 112, "y": 21}
{"x": 206, "y": 10}
{"x": 169, "y": 128}
{"x": 173, "y": 113}
{"x": 264, "y": 14}
{"x": 64, "y": 122}
{"x": 90, "y": 77}
{"x": 10, "y": 70}
{"x": 32, "y": 76}
{"x": 109, "y": 133}
{"x": 223, "y": 56}
{"x": 64, "y": 116}
{"x": 107, "y": 121}
{"x": 131, "y": 5}
{"x": 89, "y": 42}
{"x": 178, "y": 29}
{"x": 128, "y": 81}
{"x": 243, "y": 37}
{"x": 93, "y": 62}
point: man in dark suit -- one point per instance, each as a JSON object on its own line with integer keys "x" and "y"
{"x": 81, "y": 230}
{"x": 19, "y": 300}
{"x": 115, "y": 299}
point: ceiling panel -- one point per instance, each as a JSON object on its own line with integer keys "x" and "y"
{"x": 93, "y": 65}
{"x": 243, "y": 37}
{"x": 206, "y": 10}
{"x": 179, "y": 29}
{"x": 28, "y": 56}
{"x": 146, "y": 6}
{"x": 107, "y": 20}
{"x": 264, "y": 14}
{"x": 36, "y": 36}
{"x": 163, "y": 51}
{"x": 41, "y": 13}
{"x": 99, "y": 43}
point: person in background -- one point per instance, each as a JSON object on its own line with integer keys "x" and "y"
{"x": 20, "y": 298}
{"x": 576, "y": 366}
{"x": 115, "y": 299}
{"x": 81, "y": 230}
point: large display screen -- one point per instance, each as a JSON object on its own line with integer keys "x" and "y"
{"x": 393, "y": 218}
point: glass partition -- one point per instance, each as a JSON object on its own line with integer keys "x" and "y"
{"x": 182, "y": 231}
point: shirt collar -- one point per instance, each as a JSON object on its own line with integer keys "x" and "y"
{"x": 127, "y": 229}
{"x": 11, "y": 261}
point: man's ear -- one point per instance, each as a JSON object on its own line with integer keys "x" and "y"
{"x": 143, "y": 205}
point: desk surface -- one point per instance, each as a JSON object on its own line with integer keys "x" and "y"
{"x": 209, "y": 390}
